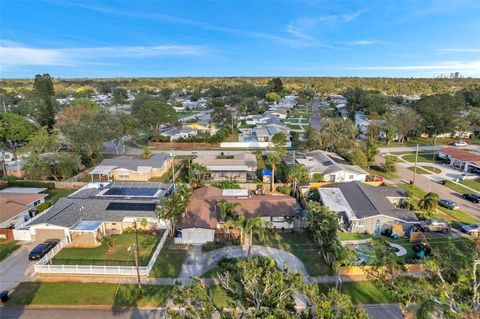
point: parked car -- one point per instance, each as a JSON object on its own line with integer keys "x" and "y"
{"x": 460, "y": 143}
{"x": 435, "y": 225}
{"x": 450, "y": 204}
{"x": 42, "y": 249}
{"x": 475, "y": 198}
{"x": 473, "y": 229}
{"x": 468, "y": 176}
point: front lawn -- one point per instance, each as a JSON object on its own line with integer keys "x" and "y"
{"x": 425, "y": 169}
{"x": 353, "y": 236}
{"x": 301, "y": 246}
{"x": 219, "y": 244}
{"x": 377, "y": 170}
{"x": 103, "y": 256}
{"x": 169, "y": 262}
{"x": 7, "y": 247}
{"x": 422, "y": 157}
{"x": 362, "y": 292}
{"x": 475, "y": 184}
{"x": 453, "y": 186}
{"x": 57, "y": 293}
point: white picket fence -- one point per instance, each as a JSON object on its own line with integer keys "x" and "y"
{"x": 43, "y": 266}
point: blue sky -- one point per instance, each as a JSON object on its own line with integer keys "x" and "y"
{"x": 81, "y": 38}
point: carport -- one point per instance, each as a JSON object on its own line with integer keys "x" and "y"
{"x": 86, "y": 232}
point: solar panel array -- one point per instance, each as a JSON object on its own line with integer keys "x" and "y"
{"x": 132, "y": 206}
{"x": 147, "y": 192}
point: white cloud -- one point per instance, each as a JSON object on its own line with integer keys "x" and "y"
{"x": 470, "y": 66}
{"x": 366, "y": 42}
{"x": 12, "y": 54}
{"x": 458, "y": 50}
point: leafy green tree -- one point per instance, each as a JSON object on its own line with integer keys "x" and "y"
{"x": 46, "y": 106}
{"x": 371, "y": 151}
{"x": 397, "y": 125}
{"x": 227, "y": 185}
{"x": 146, "y": 153}
{"x": 174, "y": 206}
{"x": 66, "y": 165}
{"x": 272, "y": 96}
{"x": 359, "y": 158}
{"x": 297, "y": 173}
{"x": 279, "y": 141}
{"x": 43, "y": 142}
{"x": 120, "y": 95}
{"x": 14, "y": 129}
{"x": 323, "y": 225}
{"x": 336, "y": 135}
{"x": 389, "y": 165}
{"x": 155, "y": 114}
{"x": 275, "y": 85}
{"x": 36, "y": 167}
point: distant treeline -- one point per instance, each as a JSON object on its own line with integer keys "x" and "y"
{"x": 322, "y": 85}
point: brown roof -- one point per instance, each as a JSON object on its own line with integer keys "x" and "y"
{"x": 239, "y": 159}
{"x": 13, "y": 204}
{"x": 202, "y": 212}
{"x": 461, "y": 155}
{"x": 9, "y": 210}
{"x": 20, "y": 198}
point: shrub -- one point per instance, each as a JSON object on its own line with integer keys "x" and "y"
{"x": 9, "y": 179}
{"x": 287, "y": 190}
{"x": 227, "y": 185}
{"x": 43, "y": 206}
{"x": 38, "y": 184}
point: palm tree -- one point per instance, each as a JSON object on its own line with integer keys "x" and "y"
{"x": 274, "y": 160}
{"x": 174, "y": 206}
{"x": 254, "y": 224}
{"x": 227, "y": 210}
{"x": 296, "y": 174}
{"x": 429, "y": 202}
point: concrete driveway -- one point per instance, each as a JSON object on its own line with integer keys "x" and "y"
{"x": 16, "y": 268}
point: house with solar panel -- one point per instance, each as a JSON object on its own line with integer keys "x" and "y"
{"x": 132, "y": 169}
{"x": 101, "y": 209}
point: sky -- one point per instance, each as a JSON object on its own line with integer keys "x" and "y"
{"x": 136, "y": 38}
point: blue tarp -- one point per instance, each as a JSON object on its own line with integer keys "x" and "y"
{"x": 267, "y": 172}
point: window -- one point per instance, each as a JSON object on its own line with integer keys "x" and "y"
{"x": 360, "y": 223}
{"x": 350, "y": 177}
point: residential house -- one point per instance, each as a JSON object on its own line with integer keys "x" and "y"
{"x": 204, "y": 127}
{"x": 17, "y": 208}
{"x": 202, "y": 222}
{"x": 101, "y": 209}
{"x": 132, "y": 169}
{"x": 469, "y": 162}
{"x": 241, "y": 167}
{"x": 369, "y": 209}
{"x": 175, "y": 133}
{"x": 327, "y": 167}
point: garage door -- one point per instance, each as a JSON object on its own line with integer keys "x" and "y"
{"x": 44, "y": 234}
{"x": 197, "y": 237}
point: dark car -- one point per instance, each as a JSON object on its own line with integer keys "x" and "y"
{"x": 473, "y": 229}
{"x": 435, "y": 225}
{"x": 450, "y": 204}
{"x": 475, "y": 198}
{"x": 42, "y": 249}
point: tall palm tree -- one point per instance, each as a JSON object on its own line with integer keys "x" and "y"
{"x": 296, "y": 174}
{"x": 227, "y": 210}
{"x": 274, "y": 160}
{"x": 429, "y": 202}
{"x": 174, "y": 206}
{"x": 254, "y": 224}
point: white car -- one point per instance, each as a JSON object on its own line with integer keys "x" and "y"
{"x": 468, "y": 176}
{"x": 460, "y": 144}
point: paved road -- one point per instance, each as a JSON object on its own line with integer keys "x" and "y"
{"x": 16, "y": 268}
{"x": 80, "y": 313}
{"x": 390, "y": 311}
{"x": 426, "y": 184}
{"x": 315, "y": 114}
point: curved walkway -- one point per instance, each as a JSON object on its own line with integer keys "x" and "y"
{"x": 198, "y": 263}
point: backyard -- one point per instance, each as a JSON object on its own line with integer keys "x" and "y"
{"x": 169, "y": 261}
{"x": 54, "y": 194}
{"x": 56, "y": 293}
{"x": 119, "y": 255}
{"x": 301, "y": 246}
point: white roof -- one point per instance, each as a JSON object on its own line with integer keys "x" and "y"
{"x": 230, "y": 168}
{"x": 103, "y": 169}
{"x": 235, "y": 192}
{"x": 23, "y": 190}
{"x": 333, "y": 198}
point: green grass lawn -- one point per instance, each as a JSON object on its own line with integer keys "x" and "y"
{"x": 362, "y": 292}
{"x": 7, "y": 247}
{"x": 377, "y": 170}
{"x": 212, "y": 273}
{"x": 294, "y": 127}
{"x": 422, "y": 157}
{"x": 441, "y": 243}
{"x": 219, "y": 244}
{"x": 475, "y": 184}
{"x": 458, "y": 188}
{"x": 53, "y": 293}
{"x": 55, "y": 194}
{"x": 353, "y": 236}
{"x": 102, "y": 256}
{"x": 301, "y": 246}
{"x": 421, "y": 169}
{"x": 169, "y": 262}
{"x": 219, "y": 296}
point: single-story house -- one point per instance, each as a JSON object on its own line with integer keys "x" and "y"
{"x": 204, "y": 127}
{"x": 468, "y": 161}
{"x": 363, "y": 208}
{"x": 266, "y": 133}
{"x": 327, "y": 167}
{"x": 241, "y": 167}
{"x": 101, "y": 209}
{"x": 202, "y": 222}
{"x": 175, "y": 133}
{"x": 132, "y": 169}
{"x": 17, "y": 208}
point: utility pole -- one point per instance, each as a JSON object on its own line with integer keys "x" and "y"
{"x": 173, "y": 169}
{"x": 415, "y": 168}
{"x": 136, "y": 260}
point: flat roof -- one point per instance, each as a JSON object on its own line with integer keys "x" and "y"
{"x": 87, "y": 225}
{"x": 23, "y": 190}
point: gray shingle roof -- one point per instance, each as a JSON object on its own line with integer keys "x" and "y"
{"x": 367, "y": 201}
